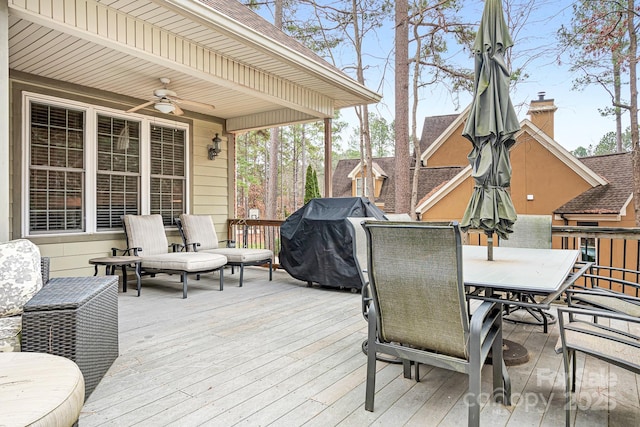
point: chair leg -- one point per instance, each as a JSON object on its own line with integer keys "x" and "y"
{"x": 221, "y": 270}
{"x": 406, "y": 368}
{"x": 569, "y": 384}
{"x": 371, "y": 362}
{"x": 184, "y": 284}
{"x": 241, "y": 273}
{"x": 270, "y": 269}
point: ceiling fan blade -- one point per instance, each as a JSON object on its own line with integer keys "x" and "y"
{"x": 178, "y": 111}
{"x": 140, "y": 107}
{"x": 193, "y": 103}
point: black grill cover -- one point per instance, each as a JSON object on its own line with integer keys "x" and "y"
{"x": 316, "y": 241}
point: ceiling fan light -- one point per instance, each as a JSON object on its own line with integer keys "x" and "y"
{"x": 164, "y": 107}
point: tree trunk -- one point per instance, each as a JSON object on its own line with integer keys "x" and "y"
{"x": 272, "y": 182}
{"x": 402, "y": 191}
{"x": 617, "y": 94}
{"x": 633, "y": 101}
{"x": 414, "y": 120}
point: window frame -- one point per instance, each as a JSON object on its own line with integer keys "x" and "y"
{"x": 91, "y": 112}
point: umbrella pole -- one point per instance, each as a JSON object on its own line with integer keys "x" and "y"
{"x": 490, "y": 246}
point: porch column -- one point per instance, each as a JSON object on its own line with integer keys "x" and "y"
{"x": 328, "y": 149}
{"x": 4, "y": 121}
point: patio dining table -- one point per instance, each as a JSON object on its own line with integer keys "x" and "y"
{"x": 542, "y": 273}
{"x": 546, "y": 273}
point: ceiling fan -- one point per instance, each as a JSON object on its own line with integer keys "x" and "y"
{"x": 166, "y": 101}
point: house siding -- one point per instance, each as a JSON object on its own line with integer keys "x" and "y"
{"x": 70, "y": 254}
{"x": 538, "y": 172}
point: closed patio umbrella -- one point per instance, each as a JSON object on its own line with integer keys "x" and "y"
{"x": 491, "y": 126}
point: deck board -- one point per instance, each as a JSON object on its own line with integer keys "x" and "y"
{"x": 283, "y": 354}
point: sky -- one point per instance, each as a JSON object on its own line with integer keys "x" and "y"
{"x": 577, "y": 119}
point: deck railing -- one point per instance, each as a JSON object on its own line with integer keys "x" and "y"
{"x": 606, "y": 246}
{"x": 256, "y": 233}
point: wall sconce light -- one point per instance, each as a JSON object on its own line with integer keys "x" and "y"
{"x": 214, "y": 149}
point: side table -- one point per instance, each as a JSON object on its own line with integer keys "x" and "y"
{"x": 111, "y": 262}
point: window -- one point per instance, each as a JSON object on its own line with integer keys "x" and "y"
{"x": 56, "y": 175}
{"x": 167, "y": 172}
{"x": 88, "y": 166}
{"x": 118, "y": 171}
{"x": 359, "y": 187}
{"x": 588, "y": 244}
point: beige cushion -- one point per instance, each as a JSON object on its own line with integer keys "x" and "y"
{"x": 38, "y": 389}
{"x": 240, "y": 255}
{"x": 10, "y": 332}
{"x": 199, "y": 229}
{"x": 190, "y": 262}
{"x": 20, "y": 275}
{"x": 146, "y": 232}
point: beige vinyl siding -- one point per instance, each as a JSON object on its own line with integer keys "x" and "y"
{"x": 210, "y": 190}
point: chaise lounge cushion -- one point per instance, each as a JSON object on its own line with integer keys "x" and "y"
{"x": 20, "y": 279}
{"x": 240, "y": 255}
{"x": 184, "y": 261}
{"x": 200, "y": 229}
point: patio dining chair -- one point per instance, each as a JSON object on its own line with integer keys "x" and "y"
{"x": 530, "y": 231}
{"x": 608, "y": 288}
{"x": 617, "y": 343}
{"x": 146, "y": 238}
{"x": 419, "y": 312}
{"x": 199, "y": 235}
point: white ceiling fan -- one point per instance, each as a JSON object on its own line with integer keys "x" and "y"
{"x": 166, "y": 101}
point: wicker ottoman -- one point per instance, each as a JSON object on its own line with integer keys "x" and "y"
{"x": 75, "y": 317}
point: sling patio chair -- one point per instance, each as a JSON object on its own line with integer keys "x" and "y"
{"x": 419, "y": 312}
{"x": 199, "y": 235}
{"x": 146, "y": 238}
{"x": 529, "y": 231}
{"x": 617, "y": 343}
{"x": 608, "y": 288}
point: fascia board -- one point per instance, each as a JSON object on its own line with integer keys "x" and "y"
{"x": 446, "y": 189}
{"x": 444, "y": 136}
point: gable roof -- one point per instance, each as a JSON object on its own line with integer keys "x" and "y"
{"x": 549, "y": 143}
{"x": 450, "y": 124}
{"x": 429, "y": 179}
{"x": 610, "y": 198}
{"x": 433, "y": 127}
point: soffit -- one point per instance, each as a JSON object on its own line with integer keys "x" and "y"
{"x": 135, "y": 42}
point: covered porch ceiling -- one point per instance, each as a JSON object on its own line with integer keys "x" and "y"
{"x": 215, "y": 52}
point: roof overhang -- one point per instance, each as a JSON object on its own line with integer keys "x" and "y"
{"x": 378, "y": 172}
{"x": 123, "y": 47}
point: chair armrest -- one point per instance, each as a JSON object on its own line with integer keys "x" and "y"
{"x": 599, "y": 313}
{"x": 126, "y": 251}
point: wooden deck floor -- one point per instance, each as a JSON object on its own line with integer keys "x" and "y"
{"x": 282, "y": 354}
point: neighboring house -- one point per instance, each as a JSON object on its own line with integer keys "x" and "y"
{"x": 73, "y": 159}
{"x": 546, "y": 178}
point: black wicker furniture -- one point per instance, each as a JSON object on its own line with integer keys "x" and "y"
{"x": 75, "y": 317}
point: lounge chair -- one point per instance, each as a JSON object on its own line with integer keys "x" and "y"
{"x": 146, "y": 238}
{"x": 419, "y": 311}
{"x": 199, "y": 235}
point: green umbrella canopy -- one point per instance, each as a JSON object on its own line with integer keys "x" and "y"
{"x": 491, "y": 126}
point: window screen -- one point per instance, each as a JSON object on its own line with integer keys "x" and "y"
{"x": 56, "y": 170}
{"x": 167, "y": 172}
{"x": 118, "y": 172}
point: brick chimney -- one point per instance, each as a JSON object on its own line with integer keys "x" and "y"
{"x": 541, "y": 112}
